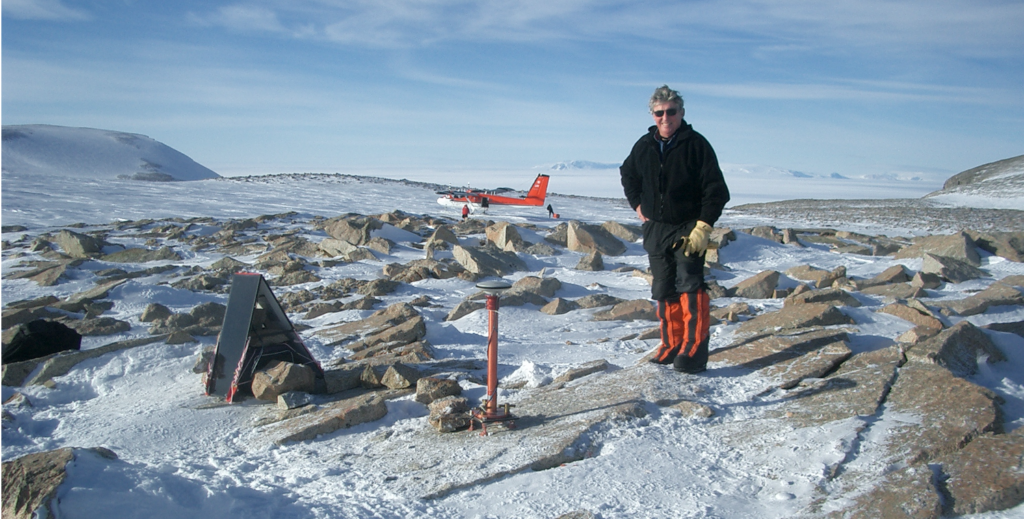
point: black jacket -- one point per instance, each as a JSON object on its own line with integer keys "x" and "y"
{"x": 684, "y": 185}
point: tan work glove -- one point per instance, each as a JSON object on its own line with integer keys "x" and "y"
{"x": 697, "y": 242}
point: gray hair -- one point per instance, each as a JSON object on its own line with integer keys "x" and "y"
{"x": 664, "y": 94}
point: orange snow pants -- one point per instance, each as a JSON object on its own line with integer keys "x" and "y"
{"x": 685, "y": 324}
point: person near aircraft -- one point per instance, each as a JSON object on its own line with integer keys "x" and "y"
{"x": 672, "y": 180}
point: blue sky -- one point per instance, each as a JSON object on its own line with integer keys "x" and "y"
{"x": 858, "y": 88}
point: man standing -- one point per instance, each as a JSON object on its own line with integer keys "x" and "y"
{"x": 673, "y": 181}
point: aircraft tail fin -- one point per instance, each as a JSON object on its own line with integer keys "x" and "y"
{"x": 539, "y": 191}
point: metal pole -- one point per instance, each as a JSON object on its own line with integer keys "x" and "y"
{"x": 492, "y": 354}
{"x": 490, "y": 412}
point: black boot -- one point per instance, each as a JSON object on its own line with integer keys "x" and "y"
{"x": 691, "y": 365}
{"x": 695, "y": 364}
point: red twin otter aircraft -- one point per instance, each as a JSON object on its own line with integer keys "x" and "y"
{"x": 479, "y": 200}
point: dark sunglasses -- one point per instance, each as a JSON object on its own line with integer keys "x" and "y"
{"x": 670, "y": 112}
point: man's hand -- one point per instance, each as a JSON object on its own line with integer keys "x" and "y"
{"x": 697, "y": 242}
{"x": 640, "y": 214}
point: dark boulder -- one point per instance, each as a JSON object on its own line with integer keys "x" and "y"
{"x": 39, "y": 338}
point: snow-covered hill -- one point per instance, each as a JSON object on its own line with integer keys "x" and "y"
{"x": 997, "y": 185}
{"x": 44, "y": 150}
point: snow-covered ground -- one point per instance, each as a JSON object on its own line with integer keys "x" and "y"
{"x": 177, "y": 460}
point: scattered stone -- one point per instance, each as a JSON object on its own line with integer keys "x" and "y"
{"x": 957, "y": 412}
{"x": 379, "y": 287}
{"x": 400, "y": 376}
{"x": 1012, "y": 327}
{"x": 586, "y": 238}
{"x": 30, "y": 482}
{"x": 281, "y": 377}
{"x": 819, "y": 277}
{"x": 766, "y": 232}
{"x": 463, "y": 309}
{"x": 958, "y": 246}
{"x": 229, "y": 264}
{"x": 180, "y": 337}
{"x": 636, "y": 310}
{"x": 142, "y": 255}
{"x": 293, "y": 399}
{"x": 381, "y": 245}
{"x": 353, "y": 229}
{"x": 624, "y": 232}
{"x": 329, "y": 418}
{"x": 545, "y": 287}
{"x": 408, "y": 331}
{"x": 295, "y": 277}
{"x": 201, "y": 282}
{"x": 100, "y": 326}
{"x": 957, "y": 349}
{"x": 504, "y": 235}
{"x": 333, "y": 248}
{"x": 449, "y": 414}
{"x": 857, "y": 388}
{"x": 1009, "y": 245}
{"x": 893, "y": 274}
{"x": 997, "y": 294}
{"x": 731, "y": 313}
{"x": 987, "y": 475}
{"x": 78, "y": 245}
{"x": 38, "y": 338}
{"x": 155, "y": 312}
{"x": 76, "y": 302}
{"x": 589, "y": 368}
{"x": 950, "y": 269}
{"x": 429, "y": 389}
{"x": 376, "y": 323}
{"x": 760, "y": 286}
{"x": 905, "y": 492}
{"x": 443, "y": 234}
{"x": 913, "y": 315}
{"x": 597, "y": 301}
{"x": 926, "y": 280}
{"x": 796, "y": 316}
{"x": 917, "y": 334}
{"x": 320, "y": 309}
{"x": 833, "y": 296}
{"x": 33, "y": 303}
{"x": 896, "y": 291}
{"x": 592, "y": 262}
{"x": 520, "y": 298}
{"x": 484, "y": 262}
{"x": 559, "y": 306}
{"x": 786, "y": 359}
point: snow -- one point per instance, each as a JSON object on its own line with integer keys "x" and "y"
{"x": 179, "y": 458}
{"x": 47, "y": 150}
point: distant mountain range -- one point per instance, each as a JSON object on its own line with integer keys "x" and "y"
{"x": 582, "y": 164}
{"x": 737, "y": 168}
{"x": 45, "y": 150}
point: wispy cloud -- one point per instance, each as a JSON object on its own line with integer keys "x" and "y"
{"x": 51, "y": 10}
{"x": 846, "y": 90}
{"x": 769, "y": 26}
{"x": 243, "y": 18}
